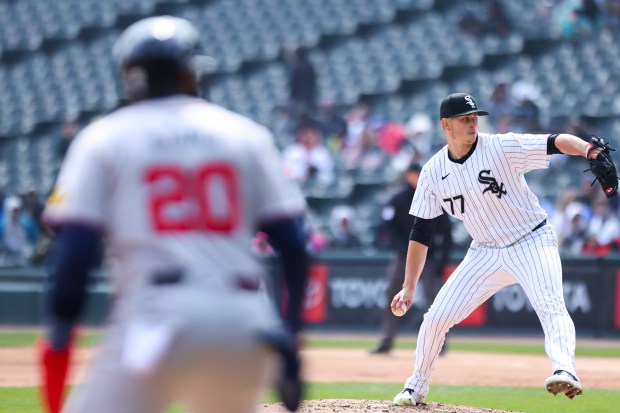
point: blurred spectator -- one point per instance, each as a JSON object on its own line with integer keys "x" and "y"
{"x": 589, "y": 192}
{"x": 418, "y": 145}
{"x": 68, "y": 131}
{"x": 578, "y": 126}
{"x": 575, "y": 234}
{"x": 419, "y": 129}
{"x": 496, "y": 20}
{"x": 391, "y": 136}
{"x": 503, "y": 106}
{"x": 578, "y": 20}
{"x": 545, "y": 10}
{"x": 33, "y": 206}
{"x": 333, "y": 123}
{"x": 524, "y": 90}
{"x": 567, "y": 206}
{"x": 366, "y": 154}
{"x": 19, "y": 232}
{"x": 283, "y": 125}
{"x": 317, "y": 239}
{"x": 308, "y": 160}
{"x": 343, "y": 233}
{"x": 359, "y": 118}
{"x": 487, "y": 17}
{"x": 603, "y": 229}
{"x": 472, "y": 20}
{"x": 612, "y": 14}
{"x": 302, "y": 81}
{"x": 505, "y": 125}
{"x": 590, "y": 9}
{"x": 527, "y": 111}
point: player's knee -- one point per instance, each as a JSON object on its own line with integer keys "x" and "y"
{"x": 549, "y": 312}
{"x": 439, "y": 318}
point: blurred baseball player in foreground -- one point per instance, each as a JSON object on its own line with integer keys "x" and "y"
{"x": 479, "y": 178}
{"x": 178, "y": 186}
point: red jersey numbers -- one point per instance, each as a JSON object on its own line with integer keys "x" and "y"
{"x": 205, "y": 198}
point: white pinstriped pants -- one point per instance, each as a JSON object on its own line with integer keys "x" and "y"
{"x": 532, "y": 262}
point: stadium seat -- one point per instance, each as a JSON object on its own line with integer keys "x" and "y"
{"x": 55, "y": 58}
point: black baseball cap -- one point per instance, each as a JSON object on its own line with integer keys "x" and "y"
{"x": 459, "y": 104}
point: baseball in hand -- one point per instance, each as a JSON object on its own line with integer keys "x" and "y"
{"x": 400, "y": 311}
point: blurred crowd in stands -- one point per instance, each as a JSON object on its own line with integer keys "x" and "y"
{"x": 322, "y": 142}
{"x": 23, "y": 237}
{"x": 575, "y": 20}
{"x": 578, "y": 20}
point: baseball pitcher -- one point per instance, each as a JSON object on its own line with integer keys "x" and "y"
{"x": 479, "y": 179}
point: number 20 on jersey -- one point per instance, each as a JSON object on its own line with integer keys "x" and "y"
{"x": 205, "y": 198}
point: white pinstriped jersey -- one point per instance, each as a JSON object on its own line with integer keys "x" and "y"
{"x": 178, "y": 182}
{"x": 487, "y": 191}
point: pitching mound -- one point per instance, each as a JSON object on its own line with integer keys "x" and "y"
{"x": 371, "y": 406}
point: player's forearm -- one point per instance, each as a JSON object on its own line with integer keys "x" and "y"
{"x": 416, "y": 258}
{"x": 571, "y": 144}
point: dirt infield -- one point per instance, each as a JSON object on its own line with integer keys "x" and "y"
{"x": 455, "y": 368}
{"x": 369, "y": 406}
{"x": 355, "y": 365}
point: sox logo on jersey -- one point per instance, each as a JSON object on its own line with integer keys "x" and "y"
{"x": 492, "y": 183}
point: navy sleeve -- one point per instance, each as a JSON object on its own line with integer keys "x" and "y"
{"x": 443, "y": 229}
{"x": 75, "y": 251}
{"x": 422, "y": 230}
{"x": 288, "y": 239}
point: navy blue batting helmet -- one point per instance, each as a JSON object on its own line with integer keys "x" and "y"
{"x": 162, "y": 38}
{"x": 155, "y": 51}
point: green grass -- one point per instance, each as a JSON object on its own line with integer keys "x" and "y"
{"x": 19, "y": 400}
{"x": 521, "y": 399}
{"x": 477, "y": 347}
{"x": 18, "y": 339}
{"x": 26, "y": 400}
{"x": 29, "y": 338}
